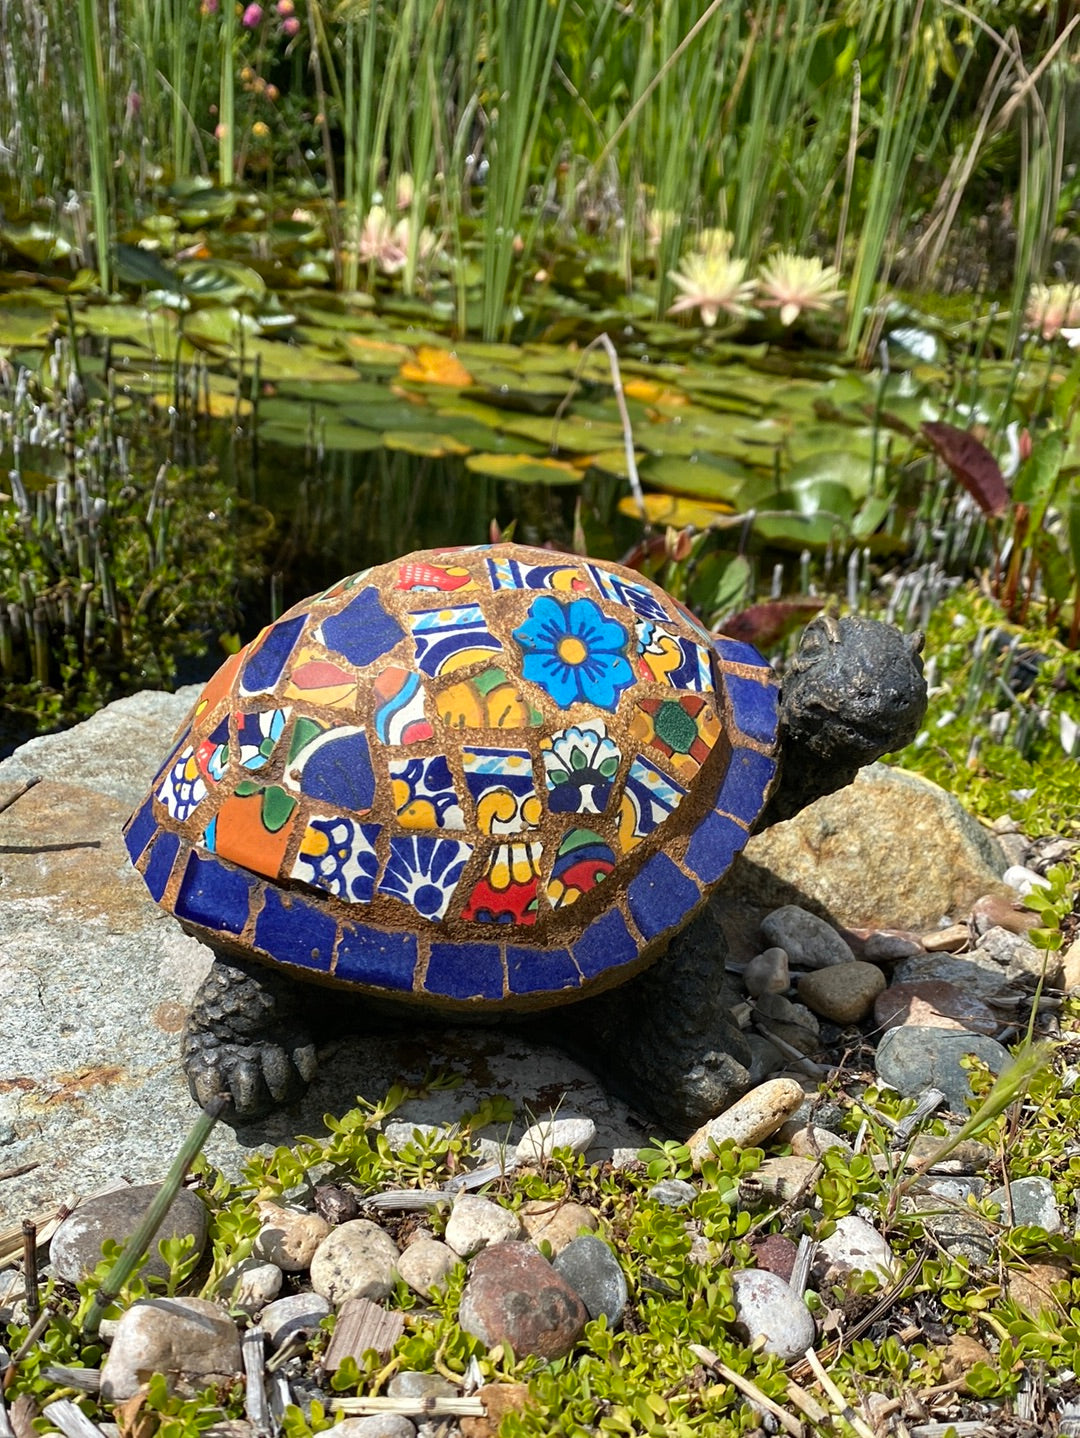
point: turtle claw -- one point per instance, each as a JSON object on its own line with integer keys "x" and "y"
{"x": 243, "y": 1042}
{"x": 254, "y": 1078}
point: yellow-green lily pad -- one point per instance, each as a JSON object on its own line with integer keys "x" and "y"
{"x": 524, "y": 469}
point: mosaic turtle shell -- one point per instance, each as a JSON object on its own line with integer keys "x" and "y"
{"x": 495, "y": 777}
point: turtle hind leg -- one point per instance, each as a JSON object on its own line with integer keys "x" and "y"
{"x": 665, "y": 1040}
{"x": 243, "y": 1040}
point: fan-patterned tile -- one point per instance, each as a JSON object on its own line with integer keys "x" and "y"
{"x": 423, "y": 873}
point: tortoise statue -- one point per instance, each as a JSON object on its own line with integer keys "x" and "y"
{"x": 490, "y": 780}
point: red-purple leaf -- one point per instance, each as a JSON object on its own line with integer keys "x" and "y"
{"x": 971, "y": 463}
{"x": 765, "y": 624}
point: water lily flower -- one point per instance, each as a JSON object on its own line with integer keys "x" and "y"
{"x": 575, "y": 653}
{"x": 794, "y": 283}
{"x": 388, "y": 245}
{"x": 1052, "y": 310}
{"x": 712, "y": 281}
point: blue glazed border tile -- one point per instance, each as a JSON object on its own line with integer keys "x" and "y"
{"x": 465, "y": 971}
{"x": 381, "y": 957}
{"x": 363, "y": 631}
{"x": 214, "y": 895}
{"x": 264, "y": 668}
{"x": 159, "y": 865}
{"x": 713, "y": 845}
{"x": 735, "y": 652}
{"x": 606, "y": 944}
{"x": 295, "y": 932}
{"x": 660, "y": 896}
{"x": 742, "y": 793}
{"x": 139, "y": 828}
{"x": 536, "y": 971}
{"x": 754, "y": 707}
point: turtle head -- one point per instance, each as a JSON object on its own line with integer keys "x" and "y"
{"x": 854, "y": 691}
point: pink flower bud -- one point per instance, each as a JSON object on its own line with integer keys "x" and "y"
{"x": 252, "y": 16}
{"x": 285, "y": 7}
{"x": 291, "y": 26}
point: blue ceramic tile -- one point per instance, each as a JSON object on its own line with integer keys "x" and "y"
{"x": 465, "y": 971}
{"x": 660, "y": 896}
{"x": 381, "y": 957}
{"x": 748, "y": 776}
{"x": 336, "y": 770}
{"x": 159, "y": 865}
{"x": 606, "y": 944}
{"x": 714, "y": 844}
{"x": 362, "y": 631}
{"x": 293, "y": 931}
{"x": 139, "y": 829}
{"x": 737, "y": 653}
{"x": 264, "y": 667}
{"x": 540, "y": 971}
{"x": 214, "y": 895}
{"x": 754, "y": 707}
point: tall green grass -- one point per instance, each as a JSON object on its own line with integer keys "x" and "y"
{"x": 865, "y": 132}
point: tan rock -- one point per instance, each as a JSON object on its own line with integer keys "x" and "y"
{"x": 1070, "y": 966}
{"x": 1032, "y": 1287}
{"x": 289, "y": 1236}
{"x": 849, "y": 856}
{"x": 552, "y": 1221}
{"x": 779, "y": 1180}
{"x": 961, "y": 1354}
{"x": 749, "y": 1121}
{"x": 844, "y": 993}
{"x": 950, "y": 940}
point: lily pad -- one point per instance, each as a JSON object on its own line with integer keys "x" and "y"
{"x": 848, "y": 471}
{"x": 278, "y": 360}
{"x": 708, "y": 477}
{"x": 673, "y": 511}
{"x": 569, "y": 435}
{"x": 424, "y": 442}
{"x": 347, "y": 438}
{"x": 524, "y": 469}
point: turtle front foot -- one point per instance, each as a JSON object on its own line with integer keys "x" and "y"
{"x": 242, "y": 1042}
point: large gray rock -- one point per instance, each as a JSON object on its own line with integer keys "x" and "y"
{"x": 192, "y": 1342}
{"x": 890, "y": 851}
{"x": 96, "y": 980}
{"x": 75, "y": 1249}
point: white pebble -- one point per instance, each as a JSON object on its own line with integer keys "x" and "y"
{"x": 539, "y": 1142}
{"x": 476, "y": 1222}
{"x": 750, "y": 1120}
{"x": 1023, "y": 880}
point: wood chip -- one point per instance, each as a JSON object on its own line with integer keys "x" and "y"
{"x": 361, "y": 1325}
{"x": 70, "y": 1419}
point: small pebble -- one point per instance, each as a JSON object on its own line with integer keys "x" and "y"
{"x": 775, "y": 1253}
{"x": 812, "y": 1142}
{"x": 252, "y": 1284}
{"x": 1032, "y": 1204}
{"x": 357, "y": 1259}
{"x": 75, "y": 1249}
{"x": 554, "y": 1221}
{"x": 514, "y": 1296}
{"x": 749, "y": 1121}
{"x": 765, "y": 1058}
{"x": 1024, "y": 880}
{"x": 778, "y": 1180}
{"x": 886, "y": 946}
{"x": 844, "y": 993}
{"x": 539, "y": 1142}
{"x": 809, "y": 942}
{"x": 399, "y": 1133}
{"x": 854, "y": 1245}
{"x": 993, "y": 911}
{"x": 1033, "y": 1287}
{"x": 912, "y": 1059}
{"x": 289, "y": 1236}
{"x": 767, "y": 973}
{"x": 593, "y": 1272}
{"x": 673, "y": 1193}
{"x": 782, "y": 1010}
{"x": 192, "y": 1342}
{"x": 425, "y": 1264}
{"x": 766, "y": 1308}
{"x": 412, "y": 1383}
{"x": 296, "y": 1313}
{"x": 376, "y": 1425}
{"x": 476, "y": 1222}
{"x": 950, "y": 940}
{"x": 933, "y": 1004}
{"x": 1018, "y": 956}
